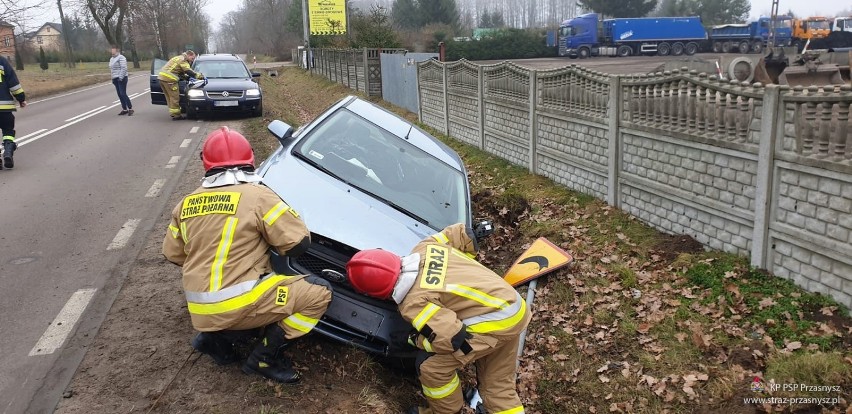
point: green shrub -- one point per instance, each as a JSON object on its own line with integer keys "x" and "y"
{"x": 505, "y": 44}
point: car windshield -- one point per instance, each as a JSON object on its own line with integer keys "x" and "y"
{"x": 217, "y": 69}
{"x": 819, "y": 25}
{"x": 389, "y": 168}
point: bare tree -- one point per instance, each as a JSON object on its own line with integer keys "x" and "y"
{"x": 109, "y": 15}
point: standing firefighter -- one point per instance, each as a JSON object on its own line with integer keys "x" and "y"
{"x": 176, "y": 69}
{"x": 461, "y": 312}
{"x": 221, "y": 234}
{"x": 10, "y": 91}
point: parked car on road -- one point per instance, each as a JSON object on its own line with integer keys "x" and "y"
{"x": 231, "y": 87}
{"x": 362, "y": 177}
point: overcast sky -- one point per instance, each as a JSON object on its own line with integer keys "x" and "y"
{"x": 218, "y": 8}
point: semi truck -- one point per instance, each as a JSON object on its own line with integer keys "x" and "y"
{"x": 587, "y": 35}
{"x": 750, "y": 37}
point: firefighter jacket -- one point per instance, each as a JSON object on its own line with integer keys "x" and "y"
{"x": 175, "y": 69}
{"x": 221, "y": 237}
{"x": 10, "y": 87}
{"x": 452, "y": 296}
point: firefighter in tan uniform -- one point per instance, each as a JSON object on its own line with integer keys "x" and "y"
{"x": 221, "y": 235}
{"x": 461, "y": 312}
{"x": 172, "y": 72}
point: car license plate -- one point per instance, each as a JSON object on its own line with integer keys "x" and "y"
{"x": 226, "y": 103}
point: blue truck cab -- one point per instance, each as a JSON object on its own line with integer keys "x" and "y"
{"x": 587, "y": 35}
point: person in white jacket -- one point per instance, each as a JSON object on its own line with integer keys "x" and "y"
{"x": 118, "y": 72}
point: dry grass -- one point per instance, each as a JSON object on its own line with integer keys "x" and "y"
{"x": 38, "y": 83}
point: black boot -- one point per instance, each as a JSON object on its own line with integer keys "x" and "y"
{"x": 266, "y": 360}
{"x": 9, "y": 148}
{"x": 217, "y": 345}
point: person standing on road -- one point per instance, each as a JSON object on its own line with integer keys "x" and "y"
{"x": 118, "y": 71}
{"x": 461, "y": 312}
{"x": 221, "y": 235}
{"x": 176, "y": 69}
{"x": 10, "y": 91}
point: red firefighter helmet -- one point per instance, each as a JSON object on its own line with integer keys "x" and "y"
{"x": 226, "y": 148}
{"x": 374, "y": 272}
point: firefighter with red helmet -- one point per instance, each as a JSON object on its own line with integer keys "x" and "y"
{"x": 461, "y": 313}
{"x": 221, "y": 235}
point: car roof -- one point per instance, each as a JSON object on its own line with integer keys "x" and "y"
{"x": 218, "y": 56}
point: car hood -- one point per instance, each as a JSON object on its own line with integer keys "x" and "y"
{"x": 215, "y": 84}
{"x": 339, "y": 211}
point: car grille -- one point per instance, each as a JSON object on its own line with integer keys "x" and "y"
{"x": 219, "y": 94}
{"x": 311, "y": 263}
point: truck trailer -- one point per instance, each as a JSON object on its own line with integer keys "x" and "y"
{"x": 587, "y": 35}
{"x": 750, "y": 37}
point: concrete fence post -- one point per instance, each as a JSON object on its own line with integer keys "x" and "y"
{"x": 366, "y": 72}
{"x": 613, "y": 196}
{"x": 533, "y": 156}
{"x": 446, "y": 102}
{"x": 419, "y": 95}
{"x": 771, "y": 122}
{"x": 480, "y": 95}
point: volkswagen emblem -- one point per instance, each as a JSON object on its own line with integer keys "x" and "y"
{"x": 225, "y": 94}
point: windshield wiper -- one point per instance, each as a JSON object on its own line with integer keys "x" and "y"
{"x": 396, "y": 207}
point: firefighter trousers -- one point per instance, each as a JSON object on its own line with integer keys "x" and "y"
{"x": 7, "y": 125}
{"x": 296, "y": 307}
{"x": 172, "y": 93}
{"x": 495, "y": 360}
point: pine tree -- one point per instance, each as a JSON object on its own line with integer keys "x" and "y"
{"x": 19, "y": 63}
{"x": 404, "y": 14}
{"x": 620, "y": 8}
{"x": 439, "y": 11}
{"x": 42, "y": 59}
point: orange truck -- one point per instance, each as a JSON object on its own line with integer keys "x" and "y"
{"x": 810, "y": 28}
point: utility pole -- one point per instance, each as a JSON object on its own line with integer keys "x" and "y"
{"x": 69, "y": 53}
{"x": 305, "y": 31}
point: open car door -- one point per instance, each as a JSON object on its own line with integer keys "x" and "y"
{"x": 157, "y": 96}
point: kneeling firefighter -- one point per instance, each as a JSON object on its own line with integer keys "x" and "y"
{"x": 461, "y": 312}
{"x": 221, "y": 235}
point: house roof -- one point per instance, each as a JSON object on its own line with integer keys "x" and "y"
{"x": 55, "y": 26}
{"x": 6, "y": 24}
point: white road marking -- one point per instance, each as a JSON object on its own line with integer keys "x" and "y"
{"x": 65, "y": 321}
{"x": 61, "y": 127}
{"x": 193, "y": 130}
{"x": 173, "y": 161}
{"x": 185, "y": 143}
{"x": 155, "y": 188}
{"x": 85, "y": 113}
{"x": 75, "y": 92}
{"x": 115, "y": 102}
{"x": 124, "y": 234}
{"x": 29, "y": 135}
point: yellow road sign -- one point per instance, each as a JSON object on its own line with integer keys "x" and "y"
{"x": 328, "y": 17}
{"x": 542, "y": 257}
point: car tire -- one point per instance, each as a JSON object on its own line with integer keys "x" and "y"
{"x": 258, "y": 112}
{"x": 191, "y": 113}
{"x": 663, "y": 49}
{"x": 584, "y": 53}
{"x": 744, "y": 47}
{"x": 757, "y": 46}
{"x": 677, "y": 49}
{"x": 625, "y": 51}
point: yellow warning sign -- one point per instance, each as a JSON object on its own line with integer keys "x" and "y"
{"x": 542, "y": 257}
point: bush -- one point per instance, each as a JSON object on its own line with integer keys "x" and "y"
{"x": 505, "y": 44}
{"x": 42, "y": 59}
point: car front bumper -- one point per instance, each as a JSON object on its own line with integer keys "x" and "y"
{"x": 222, "y": 105}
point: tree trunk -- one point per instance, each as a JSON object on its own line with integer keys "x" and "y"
{"x": 69, "y": 52}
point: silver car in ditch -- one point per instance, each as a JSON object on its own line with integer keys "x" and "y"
{"x": 362, "y": 177}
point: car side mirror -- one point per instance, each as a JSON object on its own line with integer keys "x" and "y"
{"x": 281, "y": 130}
{"x": 255, "y": 74}
{"x": 483, "y": 229}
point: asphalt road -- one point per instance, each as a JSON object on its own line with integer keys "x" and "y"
{"x": 86, "y": 189}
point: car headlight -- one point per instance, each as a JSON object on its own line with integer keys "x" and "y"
{"x": 195, "y": 93}
{"x": 252, "y": 92}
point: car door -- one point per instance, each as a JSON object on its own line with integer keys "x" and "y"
{"x": 157, "y": 96}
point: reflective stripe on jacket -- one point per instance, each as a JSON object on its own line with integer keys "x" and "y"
{"x": 10, "y": 88}
{"x": 174, "y": 69}
{"x": 221, "y": 237}
{"x": 453, "y": 289}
